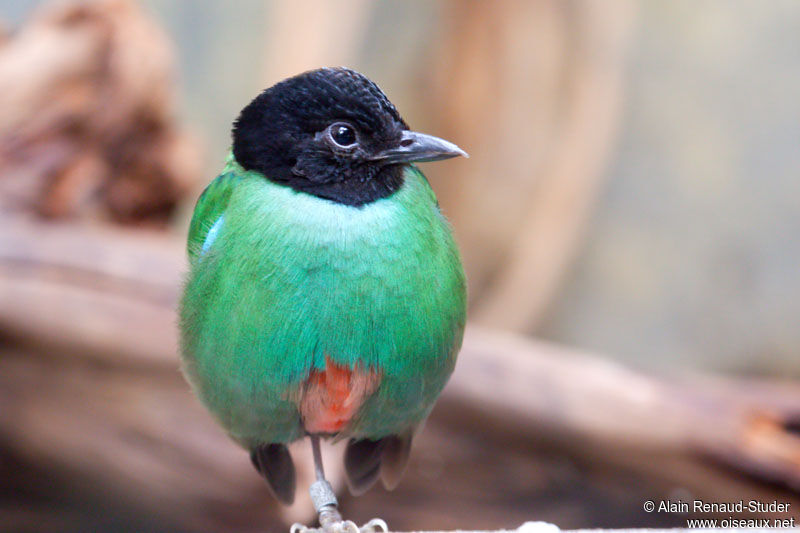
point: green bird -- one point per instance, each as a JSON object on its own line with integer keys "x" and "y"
{"x": 325, "y": 295}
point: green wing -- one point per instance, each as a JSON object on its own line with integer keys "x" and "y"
{"x": 208, "y": 213}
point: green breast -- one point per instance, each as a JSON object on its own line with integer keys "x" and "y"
{"x": 290, "y": 279}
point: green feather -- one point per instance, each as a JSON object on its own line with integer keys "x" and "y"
{"x": 289, "y": 278}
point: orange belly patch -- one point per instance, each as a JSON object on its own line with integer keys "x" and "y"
{"x": 330, "y": 398}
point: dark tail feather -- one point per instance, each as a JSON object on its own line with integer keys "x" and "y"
{"x": 365, "y": 459}
{"x": 275, "y": 464}
{"x": 362, "y": 463}
{"x": 395, "y": 459}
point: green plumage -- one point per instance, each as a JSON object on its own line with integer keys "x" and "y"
{"x": 286, "y": 279}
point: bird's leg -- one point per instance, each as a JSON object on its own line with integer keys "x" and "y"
{"x": 322, "y": 495}
{"x": 327, "y": 506}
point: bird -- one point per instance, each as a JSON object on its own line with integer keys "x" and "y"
{"x": 325, "y": 295}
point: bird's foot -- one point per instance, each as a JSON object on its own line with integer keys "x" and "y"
{"x": 376, "y": 525}
{"x": 330, "y": 520}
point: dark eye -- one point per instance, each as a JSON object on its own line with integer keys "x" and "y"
{"x": 343, "y": 134}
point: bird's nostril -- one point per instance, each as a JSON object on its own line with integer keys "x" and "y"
{"x": 406, "y": 142}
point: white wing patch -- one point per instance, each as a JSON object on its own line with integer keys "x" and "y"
{"x": 211, "y": 236}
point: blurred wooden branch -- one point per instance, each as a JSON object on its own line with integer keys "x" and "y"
{"x": 736, "y": 422}
{"x": 99, "y": 304}
{"x": 88, "y": 116}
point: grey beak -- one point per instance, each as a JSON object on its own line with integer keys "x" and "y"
{"x": 419, "y": 147}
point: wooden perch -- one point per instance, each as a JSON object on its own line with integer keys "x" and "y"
{"x": 544, "y": 527}
{"x": 98, "y": 305}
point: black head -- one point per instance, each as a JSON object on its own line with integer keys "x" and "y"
{"x": 331, "y": 133}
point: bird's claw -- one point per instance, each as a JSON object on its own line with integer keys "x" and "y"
{"x": 376, "y": 525}
{"x": 345, "y": 526}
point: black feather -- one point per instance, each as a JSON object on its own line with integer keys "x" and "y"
{"x": 395, "y": 459}
{"x": 365, "y": 459}
{"x": 362, "y": 463}
{"x": 275, "y": 464}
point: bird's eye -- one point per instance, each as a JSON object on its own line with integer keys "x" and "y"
{"x": 342, "y": 135}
